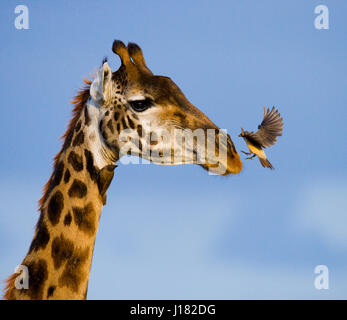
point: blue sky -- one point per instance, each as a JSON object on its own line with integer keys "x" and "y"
{"x": 177, "y": 232}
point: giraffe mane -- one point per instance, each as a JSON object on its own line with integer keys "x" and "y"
{"x": 79, "y": 101}
{"x": 9, "y": 286}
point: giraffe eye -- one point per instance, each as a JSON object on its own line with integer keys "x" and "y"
{"x": 141, "y": 105}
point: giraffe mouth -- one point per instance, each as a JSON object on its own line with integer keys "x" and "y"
{"x": 216, "y": 154}
{"x": 209, "y": 147}
{"x": 225, "y": 158}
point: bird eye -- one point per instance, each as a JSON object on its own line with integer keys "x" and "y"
{"x": 141, "y": 105}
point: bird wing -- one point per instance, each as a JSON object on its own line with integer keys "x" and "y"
{"x": 270, "y": 128}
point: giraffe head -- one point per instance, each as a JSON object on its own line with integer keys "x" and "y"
{"x": 148, "y": 116}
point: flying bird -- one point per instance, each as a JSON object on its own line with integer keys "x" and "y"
{"x": 270, "y": 128}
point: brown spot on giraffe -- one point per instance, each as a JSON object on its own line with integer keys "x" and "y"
{"x": 90, "y": 165}
{"x": 79, "y": 139}
{"x": 104, "y": 135}
{"x": 50, "y": 291}
{"x": 56, "y": 177}
{"x": 86, "y": 117}
{"x": 140, "y": 131}
{"x": 131, "y": 123}
{"x": 68, "y": 219}
{"x": 41, "y": 238}
{"x": 110, "y": 126}
{"x": 85, "y": 218}
{"x": 55, "y": 207}
{"x": 76, "y": 161}
{"x": 78, "y": 189}
{"x": 38, "y": 275}
{"x": 62, "y": 249}
{"x": 67, "y": 176}
{"x": 68, "y": 140}
{"x": 73, "y": 273}
{"x": 124, "y": 123}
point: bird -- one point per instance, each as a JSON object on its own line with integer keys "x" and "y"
{"x": 270, "y": 128}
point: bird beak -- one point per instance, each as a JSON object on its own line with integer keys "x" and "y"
{"x": 239, "y": 135}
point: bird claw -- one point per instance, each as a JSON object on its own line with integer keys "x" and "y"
{"x": 248, "y": 153}
{"x": 251, "y": 157}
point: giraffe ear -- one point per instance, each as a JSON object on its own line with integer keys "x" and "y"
{"x": 101, "y": 89}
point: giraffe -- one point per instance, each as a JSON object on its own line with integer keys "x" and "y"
{"x": 60, "y": 255}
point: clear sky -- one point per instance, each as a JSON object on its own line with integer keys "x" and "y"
{"x": 177, "y": 232}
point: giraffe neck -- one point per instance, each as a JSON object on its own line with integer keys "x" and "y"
{"x": 60, "y": 255}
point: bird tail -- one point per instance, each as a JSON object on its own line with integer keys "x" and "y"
{"x": 266, "y": 163}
